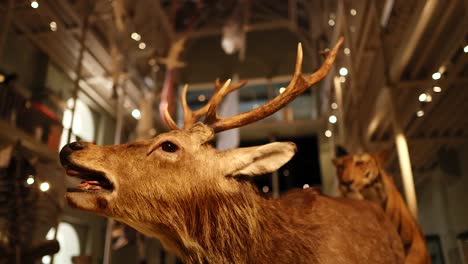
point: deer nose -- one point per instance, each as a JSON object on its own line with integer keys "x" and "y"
{"x": 77, "y": 145}
{"x": 68, "y": 149}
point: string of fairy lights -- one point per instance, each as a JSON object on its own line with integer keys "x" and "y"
{"x": 426, "y": 97}
{"x": 135, "y": 36}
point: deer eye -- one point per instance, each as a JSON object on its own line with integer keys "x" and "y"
{"x": 168, "y": 146}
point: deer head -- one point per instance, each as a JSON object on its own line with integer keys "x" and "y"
{"x": 150, "y": 184}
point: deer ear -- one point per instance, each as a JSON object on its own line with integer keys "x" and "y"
{"x": 259, "y": 160}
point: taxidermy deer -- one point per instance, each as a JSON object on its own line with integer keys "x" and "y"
{"x": 199, "y": 202}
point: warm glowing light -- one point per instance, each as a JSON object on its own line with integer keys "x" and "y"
{"x": 420, "y": 113}
{"x": 328, "y": 133}
{"x": 135, "y": 36}
{"x": 332, "y": 119}
{"x": 353, "y": 12}
{"x": 306, "y": 186}
{"x": 34, "y": 4}
{"x": 422, "y": 97}
{"x": 45, "y": 186}
{"x": 331, "y": 22}
{"x": 334, "y": 106}
{"x": 428, "y": 98}
{"x": 425, "y": 97}
{"x": 142, "y": 45}
{"x": 347, "y": 51}
{"x": 465, "y": 49}
{"x": 201, "y": 98}
{"x": 436, "y": 75}
{"x": 2, "y": 78}
{"x": 265, "y": 189}
{"x": 30, "y": 180}
{"x": 437, "y": 89}
{"x": 46, "y": 259}
{"x": 343, "y": 71}
{"x": 281, "y": 90}
{"x": 152, "y": 62}
{"x": 53, "y": 26}
{"x": 342, "y": 79}
{"x": 136, "y": 114}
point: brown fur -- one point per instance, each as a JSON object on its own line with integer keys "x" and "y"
{"x": 195, "y": 204}
{"x": 362, "y": 177}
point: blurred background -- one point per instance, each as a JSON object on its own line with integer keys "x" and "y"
{"x": 100, "y": 71}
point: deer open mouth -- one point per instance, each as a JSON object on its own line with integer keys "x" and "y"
{"x": 93, "y": 181}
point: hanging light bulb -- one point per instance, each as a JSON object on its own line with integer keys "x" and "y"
{"x": 343, "y": 71}
{"x": 53, "y": 26}
{"x": 136, "y": 114}
{"x": 436, "y": 75}
{"x": 34, "y": 4}
{"x": 30, "y": 180}
{"x": 437, "y": 89}
{"x": 422, "y": 97}
{"x": 135, "y": 36}
{"x": 45, "y": 186}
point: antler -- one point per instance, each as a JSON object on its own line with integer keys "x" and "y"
{"x": 190, "y": 117}
{"x": 296, "y": 87}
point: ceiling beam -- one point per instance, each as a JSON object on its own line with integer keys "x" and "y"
{"x": 408, "y": 46}
{"x": 210, "y": 32}
{"x": 428, "y": 47}
{"x": 447, "y": 85}
{"x": 387, "y": 144}
{"x": 164, "y": 19}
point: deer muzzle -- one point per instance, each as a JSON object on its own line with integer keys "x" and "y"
{"x": 93, "y": 180}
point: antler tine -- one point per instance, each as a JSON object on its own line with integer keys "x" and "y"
{"x": 169, "y": 121}
{"x": 202, "y": 111}
{"x": 190, "y": 117}
{"x": 211, "y": 115}
{"x": 297, "y": 86}
{"x": 188, "y": 114}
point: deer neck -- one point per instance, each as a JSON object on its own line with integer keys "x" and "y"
{"x": 222, "y": 227}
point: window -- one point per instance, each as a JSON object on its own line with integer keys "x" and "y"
{"x": 69, "y": 244}
{"x": 83, "y": 123}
